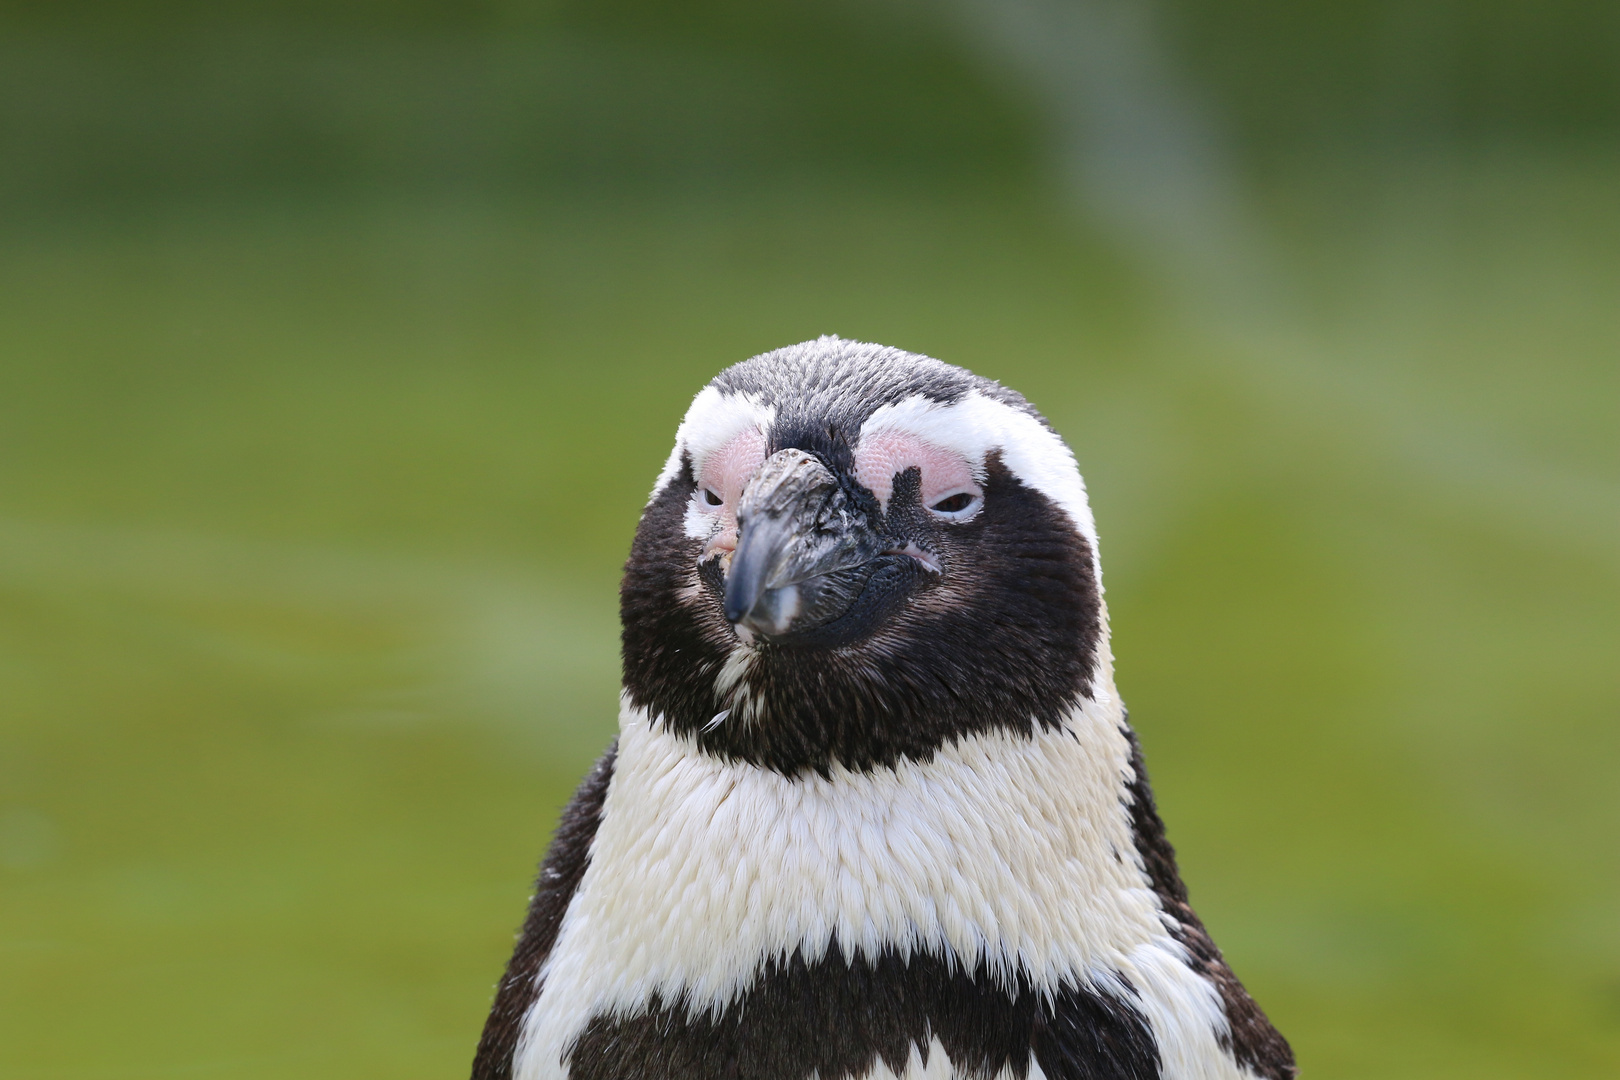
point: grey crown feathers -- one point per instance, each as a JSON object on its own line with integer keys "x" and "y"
{"x": 875, "y": 809}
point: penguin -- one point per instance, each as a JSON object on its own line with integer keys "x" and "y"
{"x": 875, "y": 810}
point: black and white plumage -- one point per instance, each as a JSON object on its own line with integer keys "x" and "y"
{"x": 874, "y": 810}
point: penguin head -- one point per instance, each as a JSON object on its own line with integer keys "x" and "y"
{"x": 855, "y": 554}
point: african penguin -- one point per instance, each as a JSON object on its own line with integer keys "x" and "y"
{"x": 874, "y": 810}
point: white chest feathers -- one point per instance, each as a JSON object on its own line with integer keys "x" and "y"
{"x": 1009, "y": 852}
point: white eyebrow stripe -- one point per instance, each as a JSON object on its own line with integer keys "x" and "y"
{"x": 714, "y": 419}
{"x": 976, "y": 425}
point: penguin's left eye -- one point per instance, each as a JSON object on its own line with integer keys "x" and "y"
{"x": 956, "y": 506}
{"x": 712, "y": 497}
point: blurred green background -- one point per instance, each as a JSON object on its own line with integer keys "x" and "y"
{"x": 340, "y": 343}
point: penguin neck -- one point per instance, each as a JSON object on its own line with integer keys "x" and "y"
{"x": 798, "y": 713}
{"x": 1009, "y": 852}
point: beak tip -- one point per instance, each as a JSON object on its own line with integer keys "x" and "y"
{"x": 770, "y": 612}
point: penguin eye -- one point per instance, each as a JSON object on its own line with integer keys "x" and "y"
{"x": 711, "y": 497}
{"x": 956, "y": 506}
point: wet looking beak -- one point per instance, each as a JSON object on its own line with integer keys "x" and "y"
{"x": 803, "y": 548}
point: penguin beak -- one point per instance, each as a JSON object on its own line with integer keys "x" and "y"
{"x": 803, "y": 548}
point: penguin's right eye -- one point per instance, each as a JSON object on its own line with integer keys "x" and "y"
{"x": 711, "y": 497}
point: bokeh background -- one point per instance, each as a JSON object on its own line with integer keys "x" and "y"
{"x": 340, "y": 343}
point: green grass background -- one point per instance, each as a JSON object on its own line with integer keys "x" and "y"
{"x": 313, "y": 498}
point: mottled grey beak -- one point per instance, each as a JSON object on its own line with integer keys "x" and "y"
{"x": 801, "y": 545}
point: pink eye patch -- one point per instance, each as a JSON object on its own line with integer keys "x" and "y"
{"x": 727, "y": 470}
{"x": 723, "y": 474}
{"x": 883, "y": 455}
